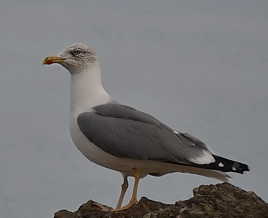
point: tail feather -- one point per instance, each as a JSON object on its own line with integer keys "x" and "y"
{"x": 222, "y": 176}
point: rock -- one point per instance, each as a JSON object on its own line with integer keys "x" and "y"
{"x": 209, "y": 201}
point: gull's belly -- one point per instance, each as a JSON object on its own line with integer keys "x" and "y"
{"x": 124, "y": 165}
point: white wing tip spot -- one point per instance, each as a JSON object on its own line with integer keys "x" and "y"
{"x": 233, "y": 168}
{"x": 204, "y": 158}
{"x": 221, "y": 164}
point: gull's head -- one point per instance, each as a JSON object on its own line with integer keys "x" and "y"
{"x": 75, "y": 58}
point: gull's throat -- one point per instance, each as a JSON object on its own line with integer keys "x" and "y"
{"x": 87, "y": 89}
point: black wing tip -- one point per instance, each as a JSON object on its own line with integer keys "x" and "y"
{"x": 240, "y": 168}
{"x": 227, "y": 165}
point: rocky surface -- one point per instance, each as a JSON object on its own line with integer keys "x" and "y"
{"x": 209, "y": 201}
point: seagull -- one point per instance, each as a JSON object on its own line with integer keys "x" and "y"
{"x": 128, "y": 140}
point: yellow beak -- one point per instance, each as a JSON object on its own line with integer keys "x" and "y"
{"x": 53, "y": 59}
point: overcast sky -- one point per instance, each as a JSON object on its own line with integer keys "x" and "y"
{"x": 199, "y": 66}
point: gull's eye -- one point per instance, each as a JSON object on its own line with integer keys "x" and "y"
{"x": 76, "y": 52}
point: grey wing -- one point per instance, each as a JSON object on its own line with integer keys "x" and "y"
{"x": 128, "y": 133}
{"x": 189, "y": 139}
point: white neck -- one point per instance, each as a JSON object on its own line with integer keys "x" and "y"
{"x": 87, "y": 90}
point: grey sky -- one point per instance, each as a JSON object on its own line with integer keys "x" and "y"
{"x": 199, "y": 66}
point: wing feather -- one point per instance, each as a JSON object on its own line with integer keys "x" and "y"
{"x": 126, "y": 132}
